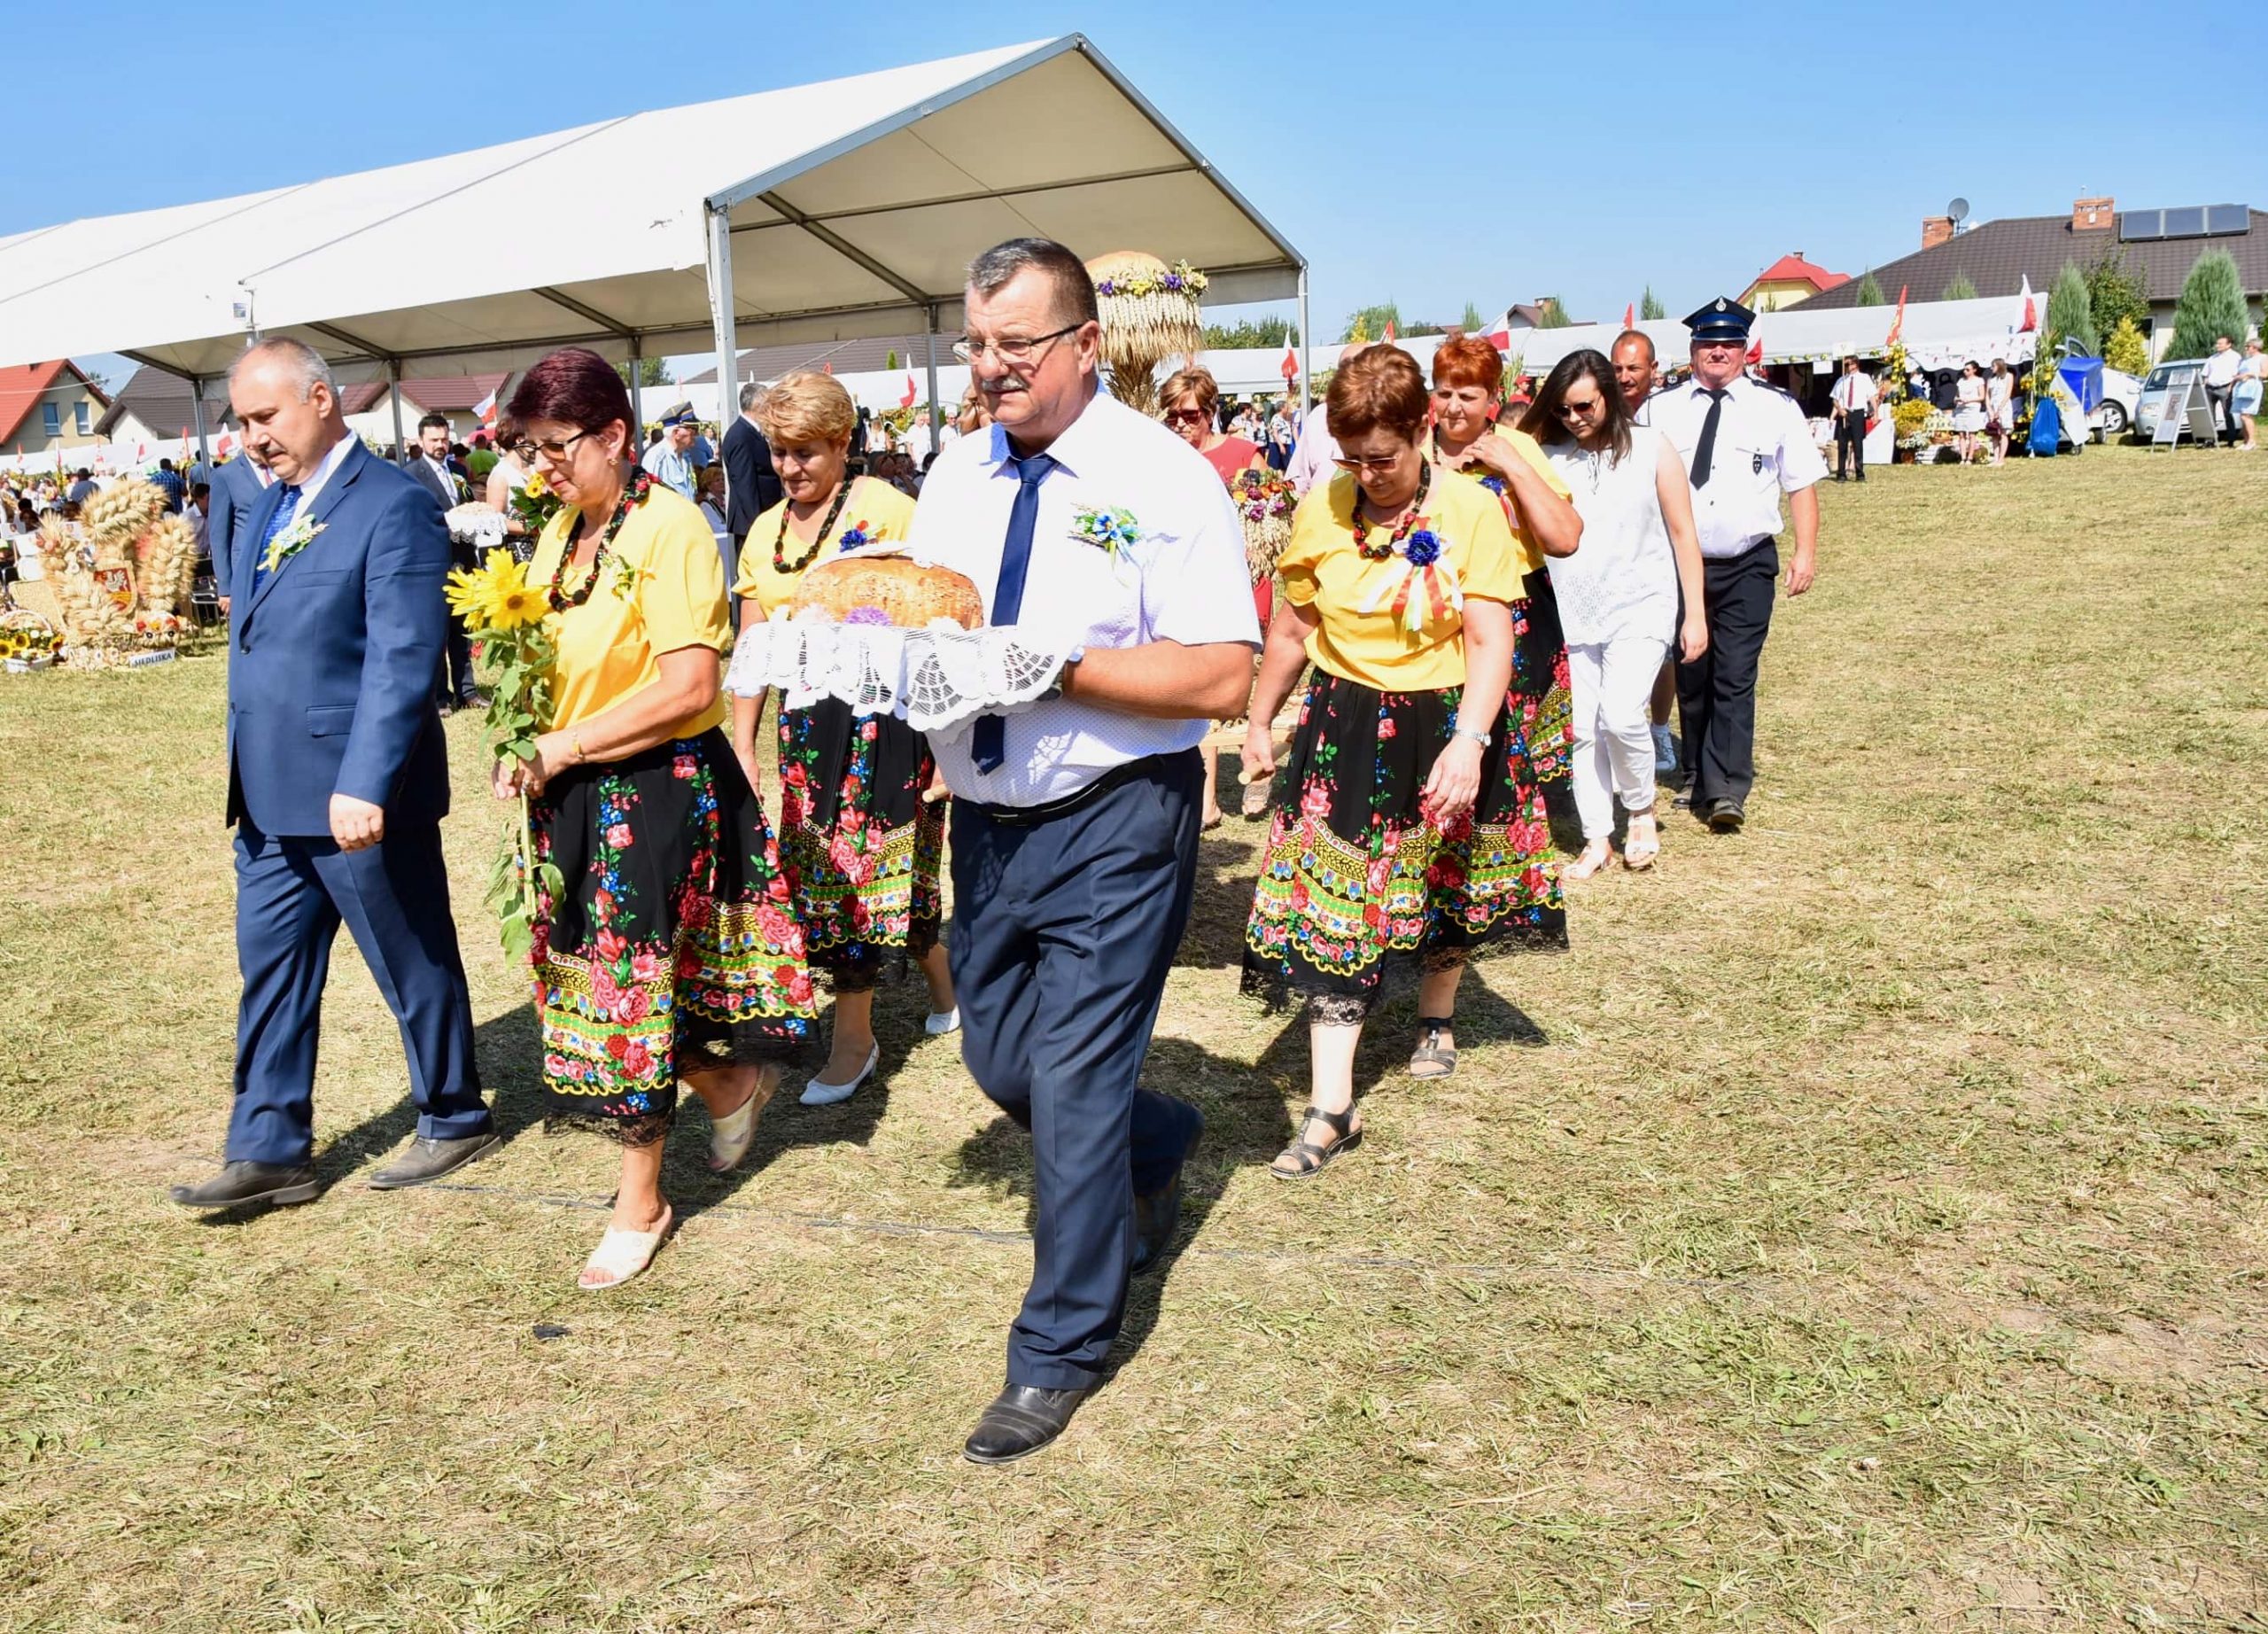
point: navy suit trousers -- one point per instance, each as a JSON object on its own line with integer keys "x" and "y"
{"x": 1716, "y": 693}
{"x": 292, "y": 893}
{"x": 1063, "y": 932}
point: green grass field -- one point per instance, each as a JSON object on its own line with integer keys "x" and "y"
{"x": 1861, "y": 1227}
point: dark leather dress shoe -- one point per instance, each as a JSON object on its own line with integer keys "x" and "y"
{"x": 1157, "y": 1215}
{"x": 426, "y": 1160}
{"x": 1022, "y": 1419}
{"x": 1726, "y": 817}
{"x": 242, "y": 1182}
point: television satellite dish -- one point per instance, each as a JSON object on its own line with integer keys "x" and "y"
{"x": 1959, "y": 210}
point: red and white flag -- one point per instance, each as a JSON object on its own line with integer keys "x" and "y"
{"x": 1629, "y": 315}
{"x": 485, "y": 411}
{"x": 225, "y": 446}
{"x": 2030, "y": 316}
{"x": 1388, "y": 336}
{"x": 906, "y": 401}
{"x": 141, "y": 452}
{"x": 1290, "y": 367}
{"x": 1501, "y": 336}
{"x": 1756, "y": 353}
{"x": 1898, "y": 318}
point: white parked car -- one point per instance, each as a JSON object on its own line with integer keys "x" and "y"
{"x": 2168, "y": 382}
{"x": 2122, "y": 392}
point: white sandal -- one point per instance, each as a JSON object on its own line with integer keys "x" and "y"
{"x": 731, "y": 1135}
{"x": 1641, "y": 845}
{"x": 1596, "y": 855}
{"x": 621, "y": 1254}
{"x": 940, "y": 1022}
{"x": 818, "y": 1092}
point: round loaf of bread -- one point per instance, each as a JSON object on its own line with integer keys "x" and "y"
{"x": 887, "y": 589}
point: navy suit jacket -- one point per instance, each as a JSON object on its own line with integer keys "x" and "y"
{"x": 751, "y": 483}
{"x": 236, "y": 493}
{"x": 332, "y": 664}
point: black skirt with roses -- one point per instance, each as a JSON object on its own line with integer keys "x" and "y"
{"x": 672, "y": 947}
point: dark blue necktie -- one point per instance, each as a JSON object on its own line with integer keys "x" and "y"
{"x": 991, "y": 745}
{"x": 276, "y": 524}
{"x": 1704, "y": 453}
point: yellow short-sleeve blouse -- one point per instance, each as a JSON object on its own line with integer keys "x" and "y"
{"x": 1323, "y": 571}
{"x": 662, "y": 589}
{"x": 1527, "y": 448}
{"x": 873, "y": 508}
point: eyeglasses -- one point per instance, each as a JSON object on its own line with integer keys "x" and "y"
{"x": 1569, "y": 409}
{"x": 1381, "y": 463}
{"x": 1014, "y": 353}
{"x": 1186, "y": 416}
{"x": 554, "y": 452}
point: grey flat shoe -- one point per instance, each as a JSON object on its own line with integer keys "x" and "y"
{"x": 1432, "y": 1059}
{"x": 242, "y": 1182}
{"x": 424, "y": 1159}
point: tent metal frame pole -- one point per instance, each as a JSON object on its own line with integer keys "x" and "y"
{"x": 1306, "y": 338}
{"x": 393, "y": 393}
{"x": 720, "y": 222}
{"x": 196, "y": 412}
{"x": 936, "y": 409}
{"x": 637, "y": 400}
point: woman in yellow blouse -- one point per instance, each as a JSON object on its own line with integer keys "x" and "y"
{"x": 1408, "y": 824}
{"x": 1468, "y": 436}
{"x": 862, "y": 846}
{"x": 670, "y": 952}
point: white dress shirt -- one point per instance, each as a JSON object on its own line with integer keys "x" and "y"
{"x": 1764, "y": 448}
{"x": 325, "y": 469}
{"x": 1185, "y": 581}
{"x": 2221, "y": 366}
{"x": 1854, "y": 391}
{"x": 440, "y": 468}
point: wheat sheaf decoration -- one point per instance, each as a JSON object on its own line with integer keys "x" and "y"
{"x": 1149, "y": 313}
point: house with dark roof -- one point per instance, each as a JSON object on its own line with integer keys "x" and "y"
{"x": 2158, "y": 246}
{"x": 48, "y": 407}
{"x": 155, "y": 407}
{"x": 1787, "y": 280}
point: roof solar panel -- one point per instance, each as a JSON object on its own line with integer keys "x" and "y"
{"x": 2228, "y": 219}
{"x": 2140, "y": 226}
{"x": 2186, "y": 223}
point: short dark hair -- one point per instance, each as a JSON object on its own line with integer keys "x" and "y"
{"x": 200, "y": 488}
{"x": 577, "y": 387}
{"x": 165, "y": 464}
{"x": 1541, "y": 420}
{"x": 1074, "y": 291}
{"x": 432, "y": 420}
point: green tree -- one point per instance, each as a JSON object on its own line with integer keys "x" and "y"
{"x": 2211, "y": 304}
{"x": 1649, "y": 305}
{"x": 2116, "y": 292}
{"x": 2070, "y": 316}
{"x": 1869, "y": 291}
{"x": 1251, "y": 332}
{"x": 890, "y": 358}
{"x": 1959, "y": 289}
{"x": 652, "y": 371}
{"x": 2126, "y": 349}
{"x": 1471, "y": 322}
{"x": 1370, "y": 323}
{"x": 1555, "y": 313}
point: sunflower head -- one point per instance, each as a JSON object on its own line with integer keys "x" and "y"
{"x": 496, "y": 597}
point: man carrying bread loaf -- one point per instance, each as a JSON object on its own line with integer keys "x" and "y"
{"x": 1074, "y": 835}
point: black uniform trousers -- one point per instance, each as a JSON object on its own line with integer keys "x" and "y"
{"x": 1063, "y": 931}
{"x": 1716, "y": 693}
{"x": 1851, "y": 434}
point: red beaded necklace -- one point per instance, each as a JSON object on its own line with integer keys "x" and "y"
{"x": 1409, "y": 520}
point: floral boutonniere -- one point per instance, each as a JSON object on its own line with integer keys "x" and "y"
{"x": 1115, "y": 532}
{"x": 290, "y": 542}
{"x": 853, "y": 537}
{"x": 1425, "y": 587}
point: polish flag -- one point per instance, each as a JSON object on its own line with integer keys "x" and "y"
{"x": 1290, "y": 367}
{"x": 1501, "y": 336}
{"x": 1629, "y": 315}
{"x": 1756, "y": 353}
{"x": 1898, "y": 319}
{"x": 906, "y": 401}
{"x": 485, "y": 411}
{"x": 2030, "y": 316}
{"x": 141, "y": 452}
{"x": 1388, "y": 336}
{"x": 225, "y": 446}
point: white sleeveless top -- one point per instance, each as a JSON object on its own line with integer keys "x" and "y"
{"x": 1622, "y": 579}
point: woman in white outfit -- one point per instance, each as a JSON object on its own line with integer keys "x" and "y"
{"x": 1968, "y": 410}
{"x": 1618, "y": 594}
{"x": 1999, "y": 409}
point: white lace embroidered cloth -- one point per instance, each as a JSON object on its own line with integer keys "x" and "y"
{"x": 934, "y": 679}
{"x": 479, "y": 526}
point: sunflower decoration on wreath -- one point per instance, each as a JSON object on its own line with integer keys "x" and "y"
{"x": 1149, "y": 313}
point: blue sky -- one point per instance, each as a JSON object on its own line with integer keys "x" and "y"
{"x": 1429, "y": 155}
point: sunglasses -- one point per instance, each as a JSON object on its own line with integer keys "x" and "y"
{"x": 1186, "y": 416}
{"x": 1356, "y": 467}
{"x": 1571, "y": 409}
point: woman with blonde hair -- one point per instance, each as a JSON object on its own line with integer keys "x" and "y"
{"x": 862, "y": 846}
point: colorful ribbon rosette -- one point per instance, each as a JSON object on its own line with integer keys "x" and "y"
{"x": 1422, "y": 584}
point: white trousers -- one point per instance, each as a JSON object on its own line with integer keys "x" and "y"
{"x": 1612, "y": 684}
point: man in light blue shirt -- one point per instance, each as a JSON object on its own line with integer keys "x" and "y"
{"x": 670, "y": 460}
{"x": 1074, "y": 824}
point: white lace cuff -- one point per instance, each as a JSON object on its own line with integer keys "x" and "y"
{"x": 934, "y": 679}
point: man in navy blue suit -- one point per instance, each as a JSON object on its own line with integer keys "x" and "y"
{"x": 337, "y": 780}
{"x": 237, "y": 488}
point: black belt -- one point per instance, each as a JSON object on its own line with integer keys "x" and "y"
{"x": 1032, "y": 816}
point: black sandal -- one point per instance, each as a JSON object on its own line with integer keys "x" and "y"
{"x": 1429, "y": 1060}
{"x": 1311, "y": 1157}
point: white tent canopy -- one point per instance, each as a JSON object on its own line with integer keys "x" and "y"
{"x": 1936, "y": 334}
{"x": 828, "y": 211}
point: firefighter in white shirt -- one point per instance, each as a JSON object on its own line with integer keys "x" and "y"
{"x": 1745, "y": 443}
{"x": 1855, "y": 400}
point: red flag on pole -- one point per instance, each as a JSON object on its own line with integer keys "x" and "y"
{"x": 1629, "y": 315}
{"x": 1898, "y": 321}
{"x": 2030, "y": 316}
{"x": 1756, "y": 353}
{"x": 1388, "y": 336}
{"x": 906, "y": 401}
{"x": 1290, "y": 369}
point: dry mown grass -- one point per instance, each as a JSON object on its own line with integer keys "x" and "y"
{"x": 1861, "y": 1228}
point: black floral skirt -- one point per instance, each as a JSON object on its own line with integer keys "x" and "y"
{"x": 862, "y": 847}
{"x": 673, "y": 946}
{"x": 1540, "y": 711}
{"x": 1355, "y": 875}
